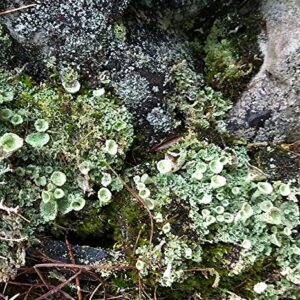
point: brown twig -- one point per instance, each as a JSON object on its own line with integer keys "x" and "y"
{"x": 41, "y": 277}
{"x": 140, "y": 201}
{"x": 77, "y": 280}
{"x": 44, "y": 284}
{"x": 95, "y": 291}
{"x": 28, "y": 292}
{"x": 166, "y": 143}
{"x": 36, "y": 286}
{"x": 81, "y": 267}
{"x": 59, "y": 287}
{"x": 137, "y": 241}
{"x": 16, "y": 9}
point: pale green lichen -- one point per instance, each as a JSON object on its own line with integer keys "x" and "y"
{"x": 233, "y": 208}
{"x": 51, "y": 164}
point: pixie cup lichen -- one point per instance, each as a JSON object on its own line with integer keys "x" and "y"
{"x": 10, "y": 142}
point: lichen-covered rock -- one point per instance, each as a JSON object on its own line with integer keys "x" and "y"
{"x": 181, "y": 8}
{"x": 269, "y": 110}
{"x": 213, "y": 208}
{"x": 5, "y": 44}
{"x": 142, "y": 79}
{"x": 87, "y": 39}
{"x": 66, "y": 33}
{"x": 180, "y": 14}
{"x": 93, "y": 43}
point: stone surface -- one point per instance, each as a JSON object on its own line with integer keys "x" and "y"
{"x": 180, "y": 8}
{"x": 67, "y": 33}
{"x": 57, "y": 250}
{"x": 269, "y": 110}
{"x": 141, "y": 78}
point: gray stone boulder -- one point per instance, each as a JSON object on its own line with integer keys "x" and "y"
{"x": 269, "y": 110}
{"x": 142, "y": 78}
{"x": 65, "y": 33}
{"x": 180, "y": 8}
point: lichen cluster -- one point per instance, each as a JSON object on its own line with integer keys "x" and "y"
{"x": 56, "y": 149}
{"x": 202, "y": 196}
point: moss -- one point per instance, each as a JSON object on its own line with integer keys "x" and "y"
{"x": 231, "y": 50}
{"x": 128, "y": 221}
{"x": 218, "y": 256}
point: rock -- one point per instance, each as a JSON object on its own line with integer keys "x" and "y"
{"x": 67, "y": 33}
{"x": 57, "y": 250}
{"x": 180, "y": 8}
{"x": 269, "y": 110}
{"x": 5, "y": 44}
{"x": 142, "y": 79}
{"x": 181, "y": 15}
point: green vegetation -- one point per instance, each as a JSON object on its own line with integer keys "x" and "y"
{"x": 203, "y": 197}
{"x": 194, "y": 219}
{"x": 231, "y": 53}
{"x": 53, "y": 161}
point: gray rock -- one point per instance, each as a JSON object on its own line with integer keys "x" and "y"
{"x": 180, "y": 8}
{"x": 142, "y": 79}
{"x": 269, "y": 110}
{"x": 181, "y": 14}
{"x": 65, "y": 33}
{"x": 58, "y": 250}
{"x": 5, "y": 45}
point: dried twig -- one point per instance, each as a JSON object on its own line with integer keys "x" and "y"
{"x": 12, "y": 210}
{"x": 140, "y": 287}
{"x": 95, "y": 291}
{"x": 37, "y": 286}
{"x": 41, "y": 277}
{"x": 166, "y": 143}
{"x": 59, "y": 287}
{"x": 137, "y": 241}
{"x": 77, "y": 280}
{"x": 16, "y": 9}
{"x": 140, "y": 201}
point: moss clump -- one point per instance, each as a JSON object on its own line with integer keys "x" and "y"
{"x": 232, "y": 52}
